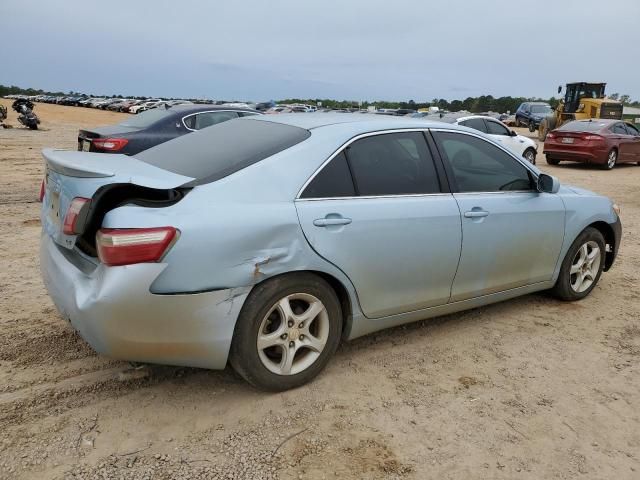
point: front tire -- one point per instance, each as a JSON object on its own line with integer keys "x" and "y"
{"x": 581, "y": 267}
{"x": 288, "y": 329}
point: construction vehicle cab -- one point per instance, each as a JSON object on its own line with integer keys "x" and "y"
{"x": 581, "y": 101}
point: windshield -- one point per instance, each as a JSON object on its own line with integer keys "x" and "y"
{"x": 146, "y": 118}
{"x": 540, "y": 109}
{"x": 220, "y": 150}
{"x": 583, "y": 126}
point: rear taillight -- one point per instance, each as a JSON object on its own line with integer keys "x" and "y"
{"x": 71, "y": 217}
{"x": 133, "y": 245}
{"x": 595, "y": 138}
{"x": 551, "y": 135}
{"x": 43, "y": 187}
{"x": 109, "y": 144}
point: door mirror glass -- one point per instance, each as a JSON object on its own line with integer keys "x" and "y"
{"x": 548, "y": 183}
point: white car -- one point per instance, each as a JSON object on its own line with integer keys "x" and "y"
{"x": 144, "y": 106}
{"x": 498, "y": 131}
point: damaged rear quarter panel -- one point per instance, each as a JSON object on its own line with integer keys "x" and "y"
{"x": 237, "y": 231}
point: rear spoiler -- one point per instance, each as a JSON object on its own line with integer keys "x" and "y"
{"x": 124, "y": 168}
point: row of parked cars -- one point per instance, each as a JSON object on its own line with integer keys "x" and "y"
{"x": 264, "y": 241}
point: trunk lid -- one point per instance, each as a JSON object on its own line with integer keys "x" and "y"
{"x": 72, "y": 174}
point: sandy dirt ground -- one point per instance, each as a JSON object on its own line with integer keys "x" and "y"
{"x": 526, "y": 389}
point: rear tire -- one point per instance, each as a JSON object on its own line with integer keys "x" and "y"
{"x": 552, "y": 161}
{"x": 581, "y": 267}
{"x": 295, "y": 348}
{"x": 530, "y": 155}
{"x": 532, "y": 127}
{"x": 612, "y": 158}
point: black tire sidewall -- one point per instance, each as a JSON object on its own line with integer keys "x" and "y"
{"x": 244, "y": 353}
{"x": 563, "y": 288}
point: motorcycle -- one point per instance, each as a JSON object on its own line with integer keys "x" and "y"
{"x": 26, "y": 117}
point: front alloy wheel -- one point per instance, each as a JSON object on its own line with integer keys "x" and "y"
{"x": 585, "y": 266}
{"x": 581, "y": 267}
{"x": 530, "y": 156}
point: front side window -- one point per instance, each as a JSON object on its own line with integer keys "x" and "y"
{"x": 494, "y": 128}
{"x": 479, "y": 166}
{"x": 392, "y": 164}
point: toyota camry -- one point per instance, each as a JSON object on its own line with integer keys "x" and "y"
{"x": 266, "y": 241}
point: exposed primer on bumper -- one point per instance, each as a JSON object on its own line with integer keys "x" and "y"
{"x": 114, "y": 311}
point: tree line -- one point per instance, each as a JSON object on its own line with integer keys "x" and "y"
{"x": 483, "y": 103}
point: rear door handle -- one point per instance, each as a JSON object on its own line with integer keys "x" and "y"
{"x": 331, "y": 221}
{"x": 476, "y": 214}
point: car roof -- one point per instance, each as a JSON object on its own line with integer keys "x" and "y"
{"x": 471, "y": 117}
{"x": 187, "y": 108}
{"x": 310, "y": 121}
{"x": 605, "y": 121}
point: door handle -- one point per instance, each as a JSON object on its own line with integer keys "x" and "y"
{"x": 331, "y": 221}
{"x": 476, "y": 214}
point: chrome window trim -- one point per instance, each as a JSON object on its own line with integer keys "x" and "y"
{"x": 423, "y": 130}
{"x": 208, "y": 111}
{"x": 345, "y": 145}
{"x": 369, "y": 197}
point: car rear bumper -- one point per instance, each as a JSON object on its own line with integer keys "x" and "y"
{"x": 114, "y": 310}
{"x": 586, "y": 155}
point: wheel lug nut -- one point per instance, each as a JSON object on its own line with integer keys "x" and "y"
{"x": 284, "y": 336}
{"x": 291, "y": 344}
{"x": 301, "y": 325}
{"x": 301, "y": 337}
{"x": 290, "y": 323}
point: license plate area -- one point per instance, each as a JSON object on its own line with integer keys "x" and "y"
{"x": 567, "y": 140}
{"x": 54, "y": 208}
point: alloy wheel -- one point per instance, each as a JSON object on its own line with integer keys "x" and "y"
{"x": 611, "y": 159}
{"x": 585, "y": 266}
{"x": 530, "y": 156}
{"x": 293, "y": 334}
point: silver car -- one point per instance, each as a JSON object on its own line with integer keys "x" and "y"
{"x": 266, "y": 241}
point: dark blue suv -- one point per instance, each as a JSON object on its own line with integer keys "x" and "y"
{"x": 530, "y": 114}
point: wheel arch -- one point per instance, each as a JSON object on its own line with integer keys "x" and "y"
{"x": 610, "y": 241}
{"x": 336, "y": 285}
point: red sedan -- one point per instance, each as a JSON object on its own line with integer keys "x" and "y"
{"x": 602, "y": 142}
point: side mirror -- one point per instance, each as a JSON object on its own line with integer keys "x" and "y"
{"x": 548, "y": 183}
{"x": 559, "y": 88}
{"x": 513, "y": 133}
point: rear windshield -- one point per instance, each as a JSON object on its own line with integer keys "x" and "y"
{"x": 146, "y": 118}
{"x": 583, "y": 126}
{"x": 215, "y": 152}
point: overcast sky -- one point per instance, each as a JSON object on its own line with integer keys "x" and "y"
{"x": 349, "y": 49}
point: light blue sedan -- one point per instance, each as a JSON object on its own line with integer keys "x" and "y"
{"x": 266, "y": 241}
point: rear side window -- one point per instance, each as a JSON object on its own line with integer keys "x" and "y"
{"x": 479, "y": 166}
{"x": 198, "y": 121}
{"x": 495, "y": 128}
{"x": 392, "y": 164}
{"x": 476, "y": 124}
{"x": 631, "y": 129}
{"x": 214, "y": 153}
{"x": 620, "y": 129}
{"x": 334, "y": 180}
